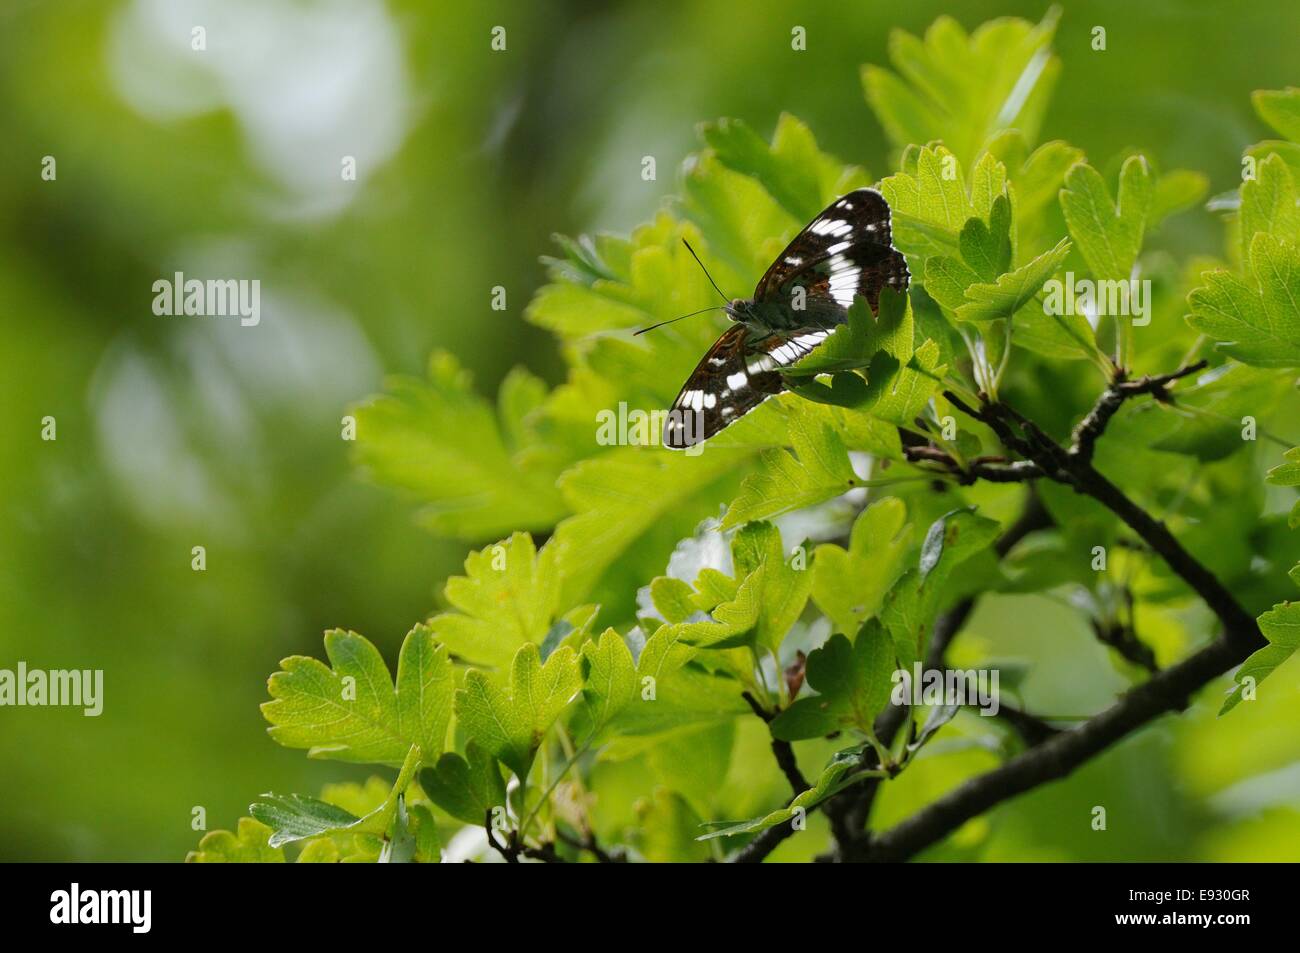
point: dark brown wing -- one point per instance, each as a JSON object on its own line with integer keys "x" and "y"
{"x": 736, "y": 375}
{"x": 843, "y": 252}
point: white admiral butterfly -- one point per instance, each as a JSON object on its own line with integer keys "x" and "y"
{"x": 843, "y": 252}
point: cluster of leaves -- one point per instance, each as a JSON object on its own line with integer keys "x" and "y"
{"x": 560, "y": 702}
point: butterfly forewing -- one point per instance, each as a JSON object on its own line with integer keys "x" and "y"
{"x": 843, "y": 252}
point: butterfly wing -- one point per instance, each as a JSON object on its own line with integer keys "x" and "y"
{"x": 737, "y": 374}
{"x": 843, "y": 252}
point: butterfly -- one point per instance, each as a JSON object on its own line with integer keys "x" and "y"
{"x": 844, "y": 252}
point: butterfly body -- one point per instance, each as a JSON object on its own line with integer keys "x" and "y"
{"x": 844, "y": 252}
{"x": 765, "y": 317}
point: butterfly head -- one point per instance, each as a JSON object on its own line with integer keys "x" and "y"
{"x": 738, "y": 309}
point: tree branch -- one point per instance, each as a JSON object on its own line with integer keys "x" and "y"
{"x": 1168, "y": 690}
{"x": 1051, "y": 760}
{"x": 1058, "y": 753}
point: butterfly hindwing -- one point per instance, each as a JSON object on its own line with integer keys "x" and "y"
{"x": 843, "y": 252}
{"x": 737, "y": 374}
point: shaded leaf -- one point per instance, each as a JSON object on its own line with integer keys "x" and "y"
{"x": 468, "y": 788}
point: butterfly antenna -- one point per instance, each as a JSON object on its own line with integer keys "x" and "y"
{"x": 671, "y": 320}
{"x": 705, "y": 270}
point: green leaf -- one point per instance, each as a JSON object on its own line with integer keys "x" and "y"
{"x": 803, "y": 802}
{"x": 853, "y": 682}
{"x": 957, "y": 288}
{"x": 846, "y": 390}
{"x": 1280, "y": 108}
{"x": 1108, "y": 235}
{"x": 850, "y": 585}
{"x": 818, "y": 470}
{"x": 1281, "y": 627}
{"x": 508, "y": 597}
{"x": 608, "y": 678}
{"x": 1268, "y": 204}
{"x": 930, "y": 205}
{"x": 792, "y": 169}
{"x": 510, "y": 721}
{"x": 783, "y": 589}
{"x": 963, "y": 89}
{"x": 1176, "y": 191}
{"x": 1039, "y": 180}
{"x": 898, "y": 394}
{"x": 912, "y": 604}
{"x": 986, "y": 248}
{"x": 1259, "y": 327}
{"x": 946, "y": 280}
{"x": 936, "y": 718}
{"x": 424, "y": 830}
{"x": 677, "y": 693}
{"x": 627, "y": 292}
{"x": 988, "y": 190}
{"x": 322, "y": 850}
{"x": 755, "y": 608}
{"x": 667, "y": 825}
{"x": 583, "y": 262}
{"x": 295, "y": 816}
{"x": 352, "y": 712}
{"x": 621, "y": 498}
{"x": 672, "y": 598}
{"x": 731, "y": 623}
{"x": 468, "y": 788}
{"x": 862, "y": 336}
{"x": 437, "y": 439}
{"x": 1012, "y": 291}
{"x": 375, "y": 802}
{"x": 249, "y": 846}
{"x": 1288, "y": 473}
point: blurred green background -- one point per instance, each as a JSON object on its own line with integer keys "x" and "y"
{"x": 177, "y": 432}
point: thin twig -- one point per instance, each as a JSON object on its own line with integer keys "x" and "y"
{"x": 589, "y": 843}
{"x": 1124, "y": 640}
{"x": 781, "y": 750}
{"x": 1032, "y": 729}
{"x": 1108, "y": 404}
